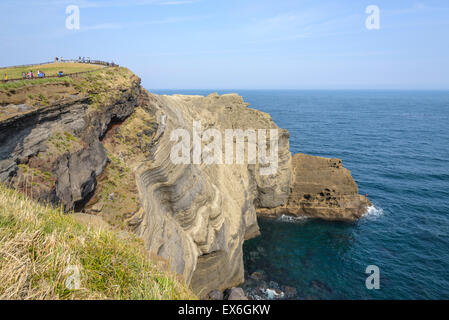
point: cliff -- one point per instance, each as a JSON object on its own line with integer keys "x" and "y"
{"x": 199, "y": 214}
{"x": 53, "y": 146}
{"x": 321, "y": 188}
{"x": 104, "y": 147}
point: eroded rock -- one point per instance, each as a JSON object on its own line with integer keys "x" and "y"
{"x": 53, "y": 151}
{"x": 235, "y": 294}
{"x": 197, "y": 216}
{"x": 321, "y": 188}
{"x": 215, "y": 295}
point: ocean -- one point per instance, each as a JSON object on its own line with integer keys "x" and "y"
{"x": 396, "y": 145}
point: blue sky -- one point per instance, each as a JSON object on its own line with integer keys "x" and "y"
{"x": 244, "y": 44}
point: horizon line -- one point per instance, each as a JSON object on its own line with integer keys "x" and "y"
{"x": 303, "y": 89}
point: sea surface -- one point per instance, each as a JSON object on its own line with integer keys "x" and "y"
{"x": 396, "y": 144}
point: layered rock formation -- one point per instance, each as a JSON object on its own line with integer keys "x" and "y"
{"x": 54, "y": 151}
{"x": 322, "y": 188}
{"x": 106, "y": 148}
{"x": 198, "y": 215}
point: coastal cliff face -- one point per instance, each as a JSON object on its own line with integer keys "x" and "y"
{"x": 52, "y": 150}
{"x": 322, "y": 188}
{"x": 199, "y": 215}
{"x": 104, "y": 147}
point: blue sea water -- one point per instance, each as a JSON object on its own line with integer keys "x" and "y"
{"x": 396, "y": 144}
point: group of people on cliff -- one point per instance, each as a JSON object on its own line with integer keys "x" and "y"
{"x": 31, "y": 75}
{"x": 40, "y": 74}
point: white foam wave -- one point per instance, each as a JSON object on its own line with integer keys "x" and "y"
{"x": 286, "y": 218}
{"x": 373, "y": 212}
{"x": 272, "y": 294}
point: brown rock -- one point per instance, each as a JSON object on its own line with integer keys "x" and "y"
{"x": 321, "y": 188}
{"x": 198, "y": 216}
{"x": 215, "y": 295}
{"x": 195, "y": 216}
{"x": 258, "y": 275}
{"x": 236, "y": 294}
{"x": 290, "y": 292}
{"x": 97, "y": 207}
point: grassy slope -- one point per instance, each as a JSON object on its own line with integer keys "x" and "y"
{"x": 50, "y": 69}
{"x": 23, "y": 83}
{"x": 101, "y": 86}
{"x": 39, "y": 245}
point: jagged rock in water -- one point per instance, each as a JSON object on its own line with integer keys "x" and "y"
{"x": 290, "y": 292}
{"x": 235, "y": 294}
{"x": 321, "y": 188}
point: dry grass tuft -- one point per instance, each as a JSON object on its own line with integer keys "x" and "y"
{"x": 40, "y": 247}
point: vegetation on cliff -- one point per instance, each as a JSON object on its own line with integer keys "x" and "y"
{"x": 49, "y": 70}
{"x": 40, "y": 247}
{"x": 64, "y": 123}
{"x": 128, "y": 145}
{"x": 100, "y": 85}
{"x": 100, "y": 145}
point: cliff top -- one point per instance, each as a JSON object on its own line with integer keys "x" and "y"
{"x": 50, "y": 69}
{"x": 85, "y": 81}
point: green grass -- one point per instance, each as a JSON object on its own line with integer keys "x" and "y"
{"x": 103, "y": 86}
{"x": 40, "y": 247}
{"x": 23, "y": 83}
{"x": 51, "y": 69}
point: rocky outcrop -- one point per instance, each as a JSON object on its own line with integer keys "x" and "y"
{"x": 199, "y": 215}
{"x": 195, "y": 214}
{"x": 235, "y": 294}
{"x": 53, "y": 152}
{"x": 321, "y": 188}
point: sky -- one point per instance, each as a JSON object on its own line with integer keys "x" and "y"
{"x": 241, "y": 44}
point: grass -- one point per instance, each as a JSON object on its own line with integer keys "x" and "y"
{"x": 23, "y": 83}
{"x": 42, "y": 250}
{"x": 136, "y": 134}
{"x": 50, "y": 69}
{"x": 128, "y": 147}
{"x": 117, "y": 179}
{"x": 102, "y": 87}
{"x": 60, "y": 143}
